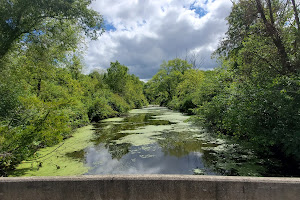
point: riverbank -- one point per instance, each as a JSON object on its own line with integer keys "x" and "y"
{"x": 54, "y": 160}
{"x": 152, "y": 140}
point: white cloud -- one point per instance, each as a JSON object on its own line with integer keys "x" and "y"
{"x": 148, "y": 32}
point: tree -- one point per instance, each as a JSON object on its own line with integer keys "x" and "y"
{"x": 272, "y": 25}
{"x": 261, "y": 55}
{"x": 134, "y": 92}
{"x": 185, "y": 91}
{"x": 162, "y": 86}
{"x": 273, "y": 32}
{"x": 22, "y": 18}
{"x": 116, "y": 77}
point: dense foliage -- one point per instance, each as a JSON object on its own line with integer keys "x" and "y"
{"x": 255, "y": 95}
{"x": 43, "y": 94}
{"x": 30, "y": 17}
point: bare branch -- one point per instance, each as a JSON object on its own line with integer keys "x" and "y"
{"x": 270, "y": 11}
{"x": 277, "y": 40}
{"x": 296, "y": 14}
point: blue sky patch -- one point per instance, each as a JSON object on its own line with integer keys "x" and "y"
{"x": 198, "y": 10}
{"x": 109, "y": 26}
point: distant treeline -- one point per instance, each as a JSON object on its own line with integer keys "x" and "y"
{"x": 43, "y": 94}
{"x": 254, "y": 97}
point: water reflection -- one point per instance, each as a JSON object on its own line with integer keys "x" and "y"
{"x": 173, "y": 152}
{"x": 148, "y": 159}
{"x": 147, "y": 141}
{"x": 159, "y": 141}
{"x": 107, "y": 131}
{"x": 180, "y": 144}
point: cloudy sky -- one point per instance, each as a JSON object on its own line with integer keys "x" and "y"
{"x": 141, "y": 34}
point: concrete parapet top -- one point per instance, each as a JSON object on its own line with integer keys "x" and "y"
{"x": 154, "y": 177}
{"x": 149, "y": 187}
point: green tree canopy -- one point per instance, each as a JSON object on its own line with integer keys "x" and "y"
{"x": 116, "y": 77}
{"x": 265, "y": 33}
{"x": 19, "y": 17}
{"x": 163, "y": 85}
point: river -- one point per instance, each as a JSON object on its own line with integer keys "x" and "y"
{"x": 152, "y": 140}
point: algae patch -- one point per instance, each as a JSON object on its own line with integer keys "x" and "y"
{"x": 174, "y": 117}
{"x": 143, "y": 136}
{"x": 198, "y": 171}
{"x": 115, "y": 119}
{"x": 59, "y": 160}
{"x": 153, "y": 140}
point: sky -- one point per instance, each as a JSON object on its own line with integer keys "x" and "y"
{"x": 141, "y": 34}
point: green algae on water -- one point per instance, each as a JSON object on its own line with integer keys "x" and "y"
{"x": 148, "y": 140}
{"x": 58, "y": 160}
{"x": 198, "y": 171}
{"x": 143, "y": 136}
{"x": 115, "y": 119}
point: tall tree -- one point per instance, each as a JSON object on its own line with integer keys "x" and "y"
{"x": 274, "y": 32}
{"x": 19, "y": 17}
{"x": 261, "y": 55}
{"x": 163, "y": 85}
{"x": 116, "y": 77}
{"x": 272, "y": 25}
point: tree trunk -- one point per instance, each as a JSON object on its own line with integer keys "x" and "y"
{"x": 296, "y": 14}
{"x": 274, "y": 34}
{"x": 39, "y": 87}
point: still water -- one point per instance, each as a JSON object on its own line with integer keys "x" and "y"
{"x": 152, "y": 140}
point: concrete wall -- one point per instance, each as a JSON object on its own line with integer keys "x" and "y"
{"x": 144, "y": 187}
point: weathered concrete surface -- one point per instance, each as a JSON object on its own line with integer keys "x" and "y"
{"x": 144, "y": 187}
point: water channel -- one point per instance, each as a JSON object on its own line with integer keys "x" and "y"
{"x": 152, "y": 140}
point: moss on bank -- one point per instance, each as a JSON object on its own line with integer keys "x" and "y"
{"x": 53, "y": 161}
